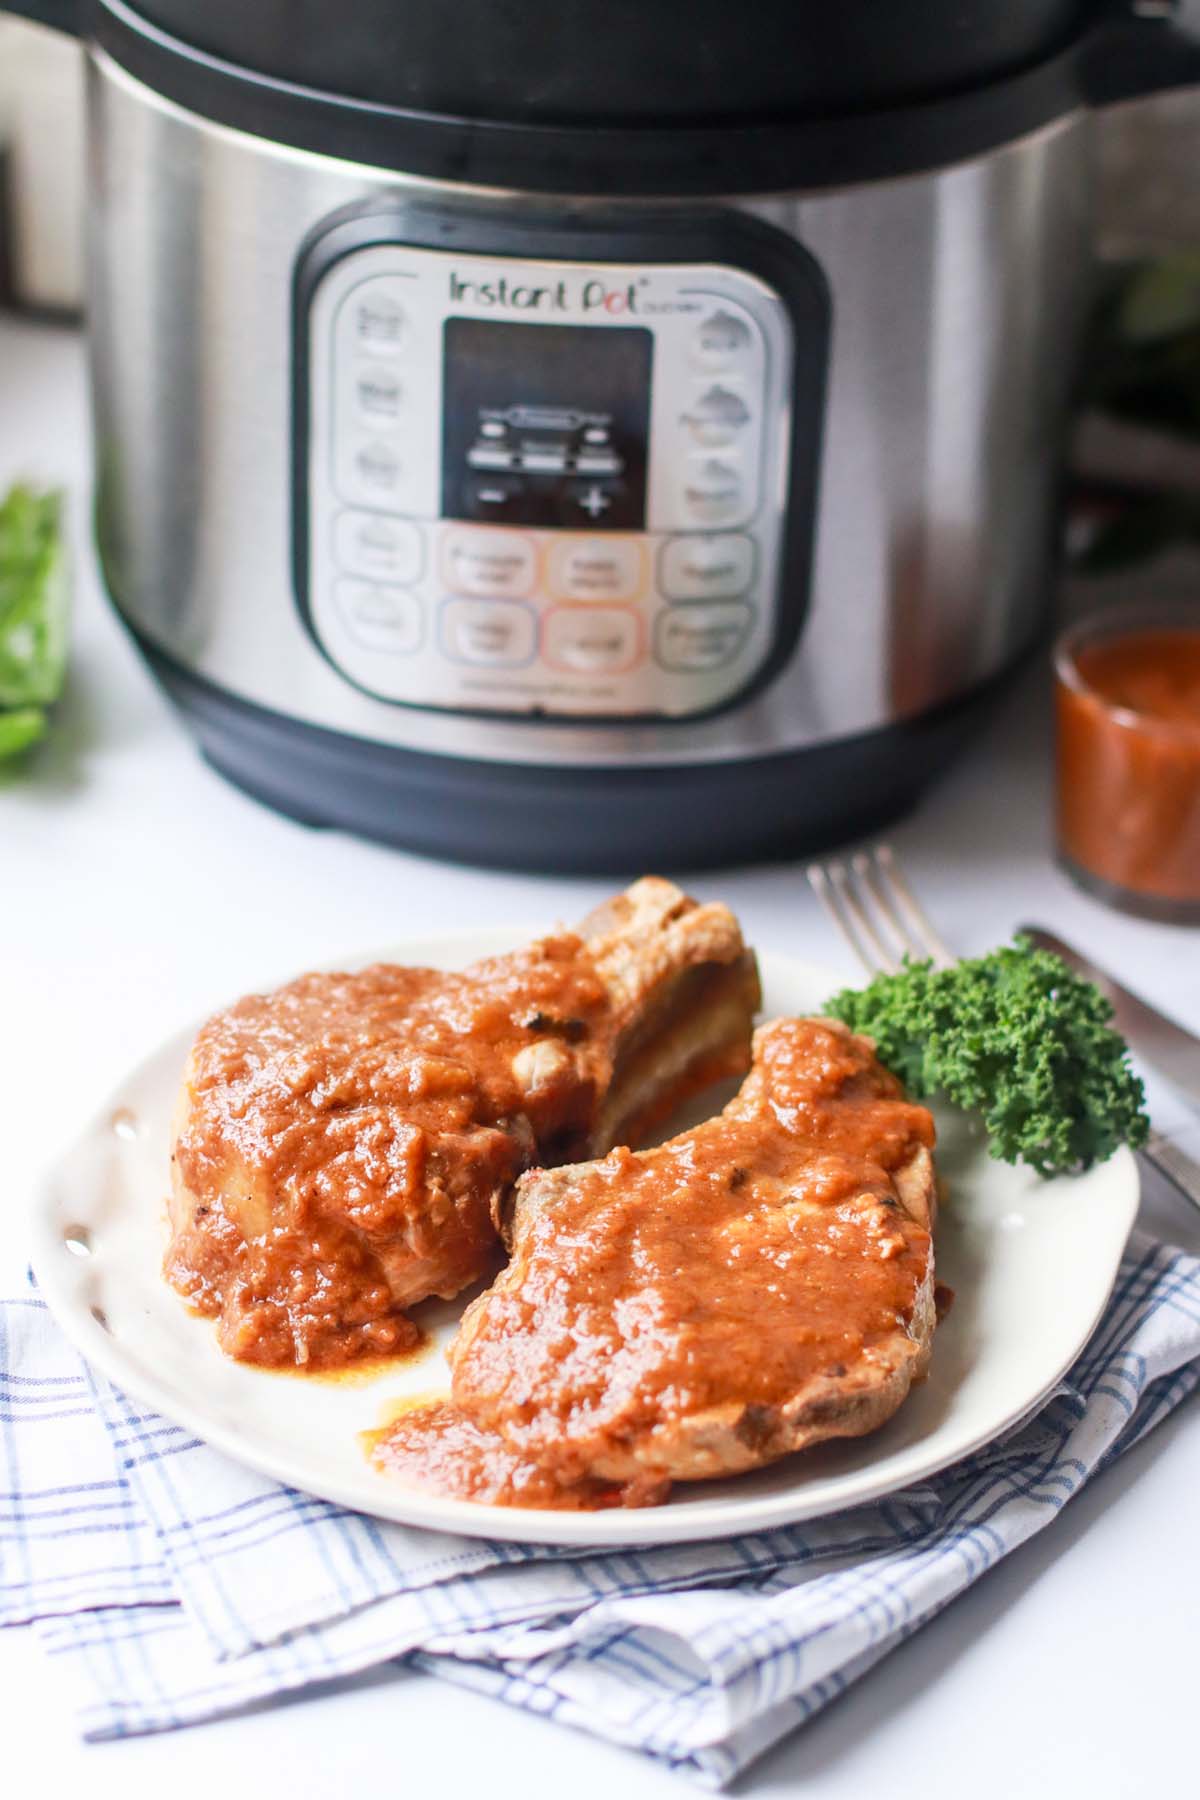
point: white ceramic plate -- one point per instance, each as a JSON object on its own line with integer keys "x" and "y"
{"x": 1031, "y": 1264}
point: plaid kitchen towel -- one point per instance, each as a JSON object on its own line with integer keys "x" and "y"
{"x": 171, "y": 1586}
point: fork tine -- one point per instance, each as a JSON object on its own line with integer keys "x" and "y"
{"x": 832, "y": 885}
{"x": 904, "y": 902}
{"x": 859, "y": 910}
{"x": 822, "y": 887}
{"x": 876, "y": 885}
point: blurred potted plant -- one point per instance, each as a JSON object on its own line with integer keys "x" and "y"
{"x": 1136, "y": 456}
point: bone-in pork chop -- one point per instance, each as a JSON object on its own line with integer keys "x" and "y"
{"x": 756, "y": 1285}
{"x": 343, "y": 1146}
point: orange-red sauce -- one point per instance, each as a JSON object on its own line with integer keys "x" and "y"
{"x": 344, "y": 1139}
{"x": 435, "y": 1447}
{"x": 728, "y": 1269}
{"x": 345, "y": 1144}
{"x": 1129, "y": 762}
{"x": 665, "y": 1310}
{"x": 364, "y": 1371}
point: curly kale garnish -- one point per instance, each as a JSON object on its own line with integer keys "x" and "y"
{"x": 1017, "y": 1036}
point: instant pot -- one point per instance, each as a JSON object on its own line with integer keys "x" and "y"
{"x": 587, "y": 434}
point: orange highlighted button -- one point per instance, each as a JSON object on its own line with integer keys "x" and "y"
{"x": 592, "y": 640}
{"x": 489, "y": 564}
{"x": 597, "y": 568}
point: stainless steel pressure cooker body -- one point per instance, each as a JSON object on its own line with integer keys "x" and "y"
{"x": 526, "y": 452}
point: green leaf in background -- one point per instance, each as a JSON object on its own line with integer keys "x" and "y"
{"x": 34, "y": 596}
{"x": 1162, "y": 299}
{"x": 1142, "y": 368}
{"x": 20, "y": 728}
{"x": 1143, "y": 356}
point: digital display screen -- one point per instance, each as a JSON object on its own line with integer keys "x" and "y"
{"x": 546, "y": 424}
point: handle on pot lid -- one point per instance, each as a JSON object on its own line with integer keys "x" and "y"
{"x": 1142, "y": 47}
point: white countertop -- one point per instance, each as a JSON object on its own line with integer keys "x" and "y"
{"x": 137, "y": 890}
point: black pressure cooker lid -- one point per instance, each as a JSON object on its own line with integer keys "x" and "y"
{"x": 603, "y": 61}
{"x": 623, "y": 97}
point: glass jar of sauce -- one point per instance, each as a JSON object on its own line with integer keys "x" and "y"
{"x": 1127, "y": 702}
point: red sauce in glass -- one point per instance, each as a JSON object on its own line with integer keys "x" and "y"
{"x": 1129, "y": 762}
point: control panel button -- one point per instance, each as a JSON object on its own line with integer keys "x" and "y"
{"x": 590, "y": 502}
{"x": 720, "y": 339}
{"x": 381, "y": 618}
{"x": 714, "y": 493}
{"x": 378, "y": 394}
{"x": 492, "y": 496}
{"x": 716, "y": 416}
{"x": 386, "y": 549}
{"x": 499, "y": 564}
{"x": 501, "y": 633}
{"x": 706, "y": 568}
{"x": 592, "y": 640}
{"x": 597, "y": 568}
{"x": 692, "y": 639}
{"x": 377, "y": 470}
{"x": 378, "y": 323}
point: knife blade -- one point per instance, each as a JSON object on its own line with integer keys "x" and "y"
{"x": 1166, "y": 1046}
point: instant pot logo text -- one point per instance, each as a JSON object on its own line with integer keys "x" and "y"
{"x": 586, "y": 294}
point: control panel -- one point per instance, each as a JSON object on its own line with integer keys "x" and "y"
{"x": 544, "y": 487}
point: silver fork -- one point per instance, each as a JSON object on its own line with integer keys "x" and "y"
{"x": 879, "y": 916}
{"x": 876, "y": 911}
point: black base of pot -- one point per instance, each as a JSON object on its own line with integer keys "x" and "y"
{"x": 556, "y": 821}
